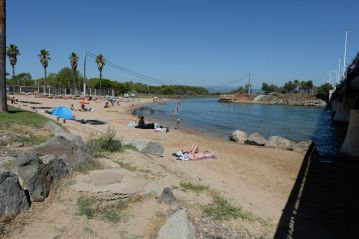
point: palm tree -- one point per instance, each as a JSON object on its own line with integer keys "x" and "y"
{"x": 73, "y": 61}
{"x": 100, "y": 61}
{"x": 3, "y": 104}
{"x": 44, "y": 60}
{"x": 12, "y": 53}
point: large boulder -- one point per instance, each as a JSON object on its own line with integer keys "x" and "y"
{"x": 57, "y": 130}
{"x": 177, "y": 226}
{"x": 56, "y": 167}
{"x": 72, "y": 155}
{"x": 146, "y": 146}
{"x": 13, "y": 199}
{"x": 167, "y": 197}
{"x": 239, "y": 136}
{"x": 302, "y": 147}
{"x": 34, "y": 175}
{"x": 256, "y": 139}
{"x": 279, "y": 142}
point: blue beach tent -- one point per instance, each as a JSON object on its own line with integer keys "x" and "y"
{"x": 62, "y": 112}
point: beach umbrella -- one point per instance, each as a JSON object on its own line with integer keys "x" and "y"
{"x": 62, "y": 112}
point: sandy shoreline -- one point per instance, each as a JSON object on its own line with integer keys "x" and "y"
{"x": 257, "y": 179}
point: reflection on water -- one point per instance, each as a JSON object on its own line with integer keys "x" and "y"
{"x": 207, "y": 116}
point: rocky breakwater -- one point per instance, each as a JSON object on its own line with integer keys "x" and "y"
{"x": 299, "y": 99}
{"x": 275, "y": 98}
{"x": 272, "y": 142}
{"x": 37, "y": 168}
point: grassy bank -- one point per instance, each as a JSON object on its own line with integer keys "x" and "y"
{"x": 21, "y": 117}
{"x": 23, "y": 128}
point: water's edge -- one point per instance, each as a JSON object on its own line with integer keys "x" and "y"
{"x": 211, "y": 119}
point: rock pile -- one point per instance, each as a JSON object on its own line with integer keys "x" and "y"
{"x": 239, "y": 136}
{"x": 256, "y": 139}
{"x": 272, "y": 142}
{"x": 38, "y": 167}
{"x": 300, "y": 99}
{"x": 279, "y": 142}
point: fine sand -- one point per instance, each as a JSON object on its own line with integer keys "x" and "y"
{"x": 255, "y": 178}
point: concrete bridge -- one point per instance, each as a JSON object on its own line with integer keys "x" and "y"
{"x": 344, "y": 102}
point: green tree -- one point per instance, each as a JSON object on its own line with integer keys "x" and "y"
{"x": 52, "y": 80}
{"x": 266, "y": 87}
{"x": 3, "y": 103}
{"x": 44, "y": 60}
{"x": 323, "y": 91}
{"x": 289, "y": 86}
{"x": 12, "y": 53}
{"x": 65, "y": 76}
{"x": 73, "y": 61}
{"x": 269, "y": 88}
{"x": 309, "y": 85}
{"x": 22, "y": 78}
{"x": 100, "y": 61}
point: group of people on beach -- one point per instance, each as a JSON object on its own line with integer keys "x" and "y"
{"x": 141, "y": 124}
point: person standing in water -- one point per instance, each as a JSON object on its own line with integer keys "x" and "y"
{"x": 178, "y": 123}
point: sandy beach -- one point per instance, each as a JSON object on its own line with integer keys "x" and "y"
{"x": 255, "y": 178}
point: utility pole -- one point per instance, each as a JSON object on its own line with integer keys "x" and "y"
{"x": 345, "y": 50}
{"x": 85, "y": 73}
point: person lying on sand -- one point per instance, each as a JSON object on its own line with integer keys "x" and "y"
{"x": 84, "y": 109}
{"x": 194, "y": 154}
{"x": 161, "y": 128}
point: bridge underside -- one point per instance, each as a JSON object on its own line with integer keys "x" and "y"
{"x": 345, "y": 103}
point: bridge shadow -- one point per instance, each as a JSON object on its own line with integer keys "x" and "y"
{"x": 324, "y": 202}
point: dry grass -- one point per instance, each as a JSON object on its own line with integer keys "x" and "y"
{"x": 156, "y": 222}
{"x": 112, "y": 212}
{"x": 125, "y": 165}
{"x": 96, "y": 165}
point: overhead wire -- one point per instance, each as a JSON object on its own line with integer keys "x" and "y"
{"x": 236, "y": 80}
{"x": 131, "y": 72}
{"x": 151, "y": 79}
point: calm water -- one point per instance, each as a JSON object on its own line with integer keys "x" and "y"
{"x": 207, "y": 116}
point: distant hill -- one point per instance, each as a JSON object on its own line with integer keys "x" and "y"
{"x": 220, "y": 89}
{"x": 226, "y": 89}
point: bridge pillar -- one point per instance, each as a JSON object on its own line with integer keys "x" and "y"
{"x": 344, "y": 106}
{"x": 351, "y": 141}
{"x": 333, "y": 106}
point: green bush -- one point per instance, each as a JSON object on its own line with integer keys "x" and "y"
{"x": 106, "y": 142}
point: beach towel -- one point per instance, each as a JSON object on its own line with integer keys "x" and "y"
{"x": 132, "y": 124}
{"x": 160, "y": 130}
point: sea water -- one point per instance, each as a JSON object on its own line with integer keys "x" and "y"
{"x": 209, "y": 117}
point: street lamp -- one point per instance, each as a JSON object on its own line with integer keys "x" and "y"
{"x": 335, "y": 76}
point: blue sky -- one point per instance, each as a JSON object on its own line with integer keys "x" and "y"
{"x": 198, "y": 42}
